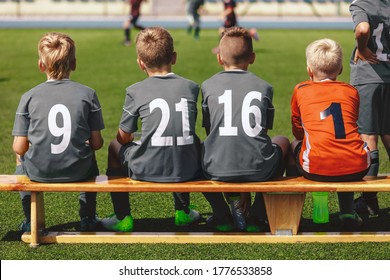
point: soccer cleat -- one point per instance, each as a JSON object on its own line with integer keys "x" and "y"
{"x": 255, "y": 224}
{"x": 127, "y": 43}
{"x": 225, "y": 224}
{"x": 238, "y": 215}
{"x": 25, "y": 226}
{"x": 114, "y": 224}
{"x": 89, "y": 224}
{"x": 367, "y": 206}
{"x": 184, "y": 219}
{"x": 350, "y": 222}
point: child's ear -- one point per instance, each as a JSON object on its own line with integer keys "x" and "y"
{"x": 73, "y": 65}
{"x": 174, "y": 57}
{"x": 310, "y": 72}
{"x": 252, "y": 58}
{"x": 141, "y": 64}
{"x": 220, "y": 60}
{"x": 41, "y": 66}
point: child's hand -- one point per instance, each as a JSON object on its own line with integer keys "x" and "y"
{"x": 365, "y": 54}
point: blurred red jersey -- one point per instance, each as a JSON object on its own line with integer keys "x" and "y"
{"x": 323, "y": 116}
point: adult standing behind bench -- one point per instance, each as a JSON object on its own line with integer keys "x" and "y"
{"x": 370, "y": 74}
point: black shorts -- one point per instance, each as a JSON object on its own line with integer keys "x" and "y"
{"x": 374, "y": 112}
{"x": 323, "y": 178}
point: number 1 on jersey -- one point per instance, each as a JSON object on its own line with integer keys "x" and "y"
{"x": 335, "y": 110}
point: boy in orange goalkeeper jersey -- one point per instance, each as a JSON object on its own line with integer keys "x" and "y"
{"x": 324, "y": 113}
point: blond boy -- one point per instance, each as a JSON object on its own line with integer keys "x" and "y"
{"x": 57, "y": 127}
{"x": 324, "y": 115}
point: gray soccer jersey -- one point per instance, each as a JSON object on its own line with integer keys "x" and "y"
{"x": 377, "y": 14}
{"x": 57, "y": 117}
{"x": 169, "y": 150}
{"x": 237, "y": 109}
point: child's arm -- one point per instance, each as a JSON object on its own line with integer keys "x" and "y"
{"x": 124, "y": 137}
{"x": 362, "y": 35}
{"x": 96, "y": 141}
{"x": 20, "y": 145}
{"x": 297, "y": 128}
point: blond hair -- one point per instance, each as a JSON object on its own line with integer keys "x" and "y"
{"x": 235, "y": 46}
{"x": 325, "y": 58}
{"x": 57, "y": 52}
{"x": 155, "y": 47}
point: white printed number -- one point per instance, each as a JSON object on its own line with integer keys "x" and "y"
{"x": 247, "y": 109}
{"x": 377, "y": 33}
{"x": 55, "y": 130}
{"x": 157, "y": 138}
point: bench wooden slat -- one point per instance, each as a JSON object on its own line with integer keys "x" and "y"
{"x": 208, "y": 237}
{"x": 284, "y": 199}
{"x": 116, "y": 184}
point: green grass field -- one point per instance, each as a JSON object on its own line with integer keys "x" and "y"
{"x": 105, "y": 65}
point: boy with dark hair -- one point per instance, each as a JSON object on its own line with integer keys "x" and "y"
{"x": 324, "y": 112}
{"x": 237, "y": 112}
{"x": 169, "y": 150}
{"x": 370, "y": 74}
{"x": 57, "y": 128}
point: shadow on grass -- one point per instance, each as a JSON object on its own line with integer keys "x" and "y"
{"x": 370, "y": 224}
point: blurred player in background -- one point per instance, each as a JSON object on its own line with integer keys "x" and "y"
{"x": 131, "y": 21}
{"x": 193, "y": 9}
{"x": 230, "y": 19}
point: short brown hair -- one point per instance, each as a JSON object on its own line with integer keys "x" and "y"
{"x": 236, "y": 46}
{"x": 57, "y": 52}
{"x": 325, "y": 57}
{"x": 155, "y": 47}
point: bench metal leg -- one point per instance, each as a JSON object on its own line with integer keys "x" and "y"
{"x": 37, "y": 217}
{"x": 284, "y": 212}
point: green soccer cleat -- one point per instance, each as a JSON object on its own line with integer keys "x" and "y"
{"x": 350, "y": 222}
{"x": 114, "y": 224}
{"x": 184, "y": 219}
{"x": 255, "y": 224}
{"x": 225, "y": 224}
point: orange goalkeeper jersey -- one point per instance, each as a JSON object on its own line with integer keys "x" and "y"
{"x": 324, "y": 115}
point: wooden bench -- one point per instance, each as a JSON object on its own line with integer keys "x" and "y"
{"x": 284, "y": 199}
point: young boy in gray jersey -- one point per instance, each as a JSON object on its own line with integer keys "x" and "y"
{"x": 370, "y": 74}
{"x": 57, "y": 128}
{"x": 237, "y": 112}
{"x": 169, "y": 149}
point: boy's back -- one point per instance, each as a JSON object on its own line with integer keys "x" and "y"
{"x": 237, "y": 107}
{"x": 169, "y": 148}
{"x": 61, "y": 115}
{"x": 328, "y": 111}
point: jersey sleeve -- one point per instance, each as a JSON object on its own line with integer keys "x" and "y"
{"x": 95, "y": 118}
{"x": 22, "y": 118}
{"x": 130, "y": 115}
{"x": 358, "y": 15}
{"x": 205, "y": 111}
{"x": 296, "y": 121}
